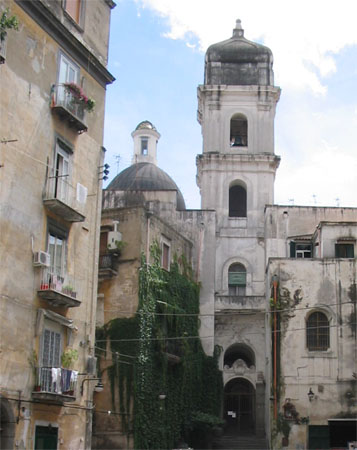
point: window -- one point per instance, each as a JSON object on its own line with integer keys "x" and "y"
{"x": 237, "y": 201}
{"x": 144, "y": 145}
{"x": 57, "y": 248}
{"x": 237, "y": 279}
{"x": 317, "y": 332}
{"x": 345, "y": 250}
{"x": 61, "y": 184}
{"x": 73, "y": 8}
{"x": 50, "y": 356}
{"x": 239, "y": 131}
{"x": 165, "y": 254}
{"x": 300, "y": 249}
{"x": 51, "y": 348}
{"x": 68, "y": 72}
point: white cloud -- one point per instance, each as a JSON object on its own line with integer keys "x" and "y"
{"x": 304, "y": 34}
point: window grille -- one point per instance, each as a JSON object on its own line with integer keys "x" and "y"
{"x": 317, "y": 332}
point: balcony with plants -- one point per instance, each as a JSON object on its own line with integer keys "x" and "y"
{"x": 63, "y": 199}
{"x": 7, "y": 23}
{"x": 57, "y": 384}
{"x": 70, "y": 103}
{"x": 58, "y": 290}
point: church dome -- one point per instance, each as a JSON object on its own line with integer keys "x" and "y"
{"x": 145, "y": 125}
{"x": 238, "y": 61}
{"x": 146, "y": 177}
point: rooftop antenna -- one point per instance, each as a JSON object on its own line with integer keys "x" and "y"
{"x": 117, "y": 157}
{"x": 337, "y": 202}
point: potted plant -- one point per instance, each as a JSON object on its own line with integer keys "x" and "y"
{"x": 33, "y": 361}
{"x": 79, "y": 97}
{"x": 7, "y": 22}
{"x": 68, "y": 290}
{"x": 68, "y": 357}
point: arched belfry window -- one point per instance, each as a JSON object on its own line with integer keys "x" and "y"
{"x": 317, "y": 332}
{"x": 239, "y": 131}
{"x": 237, "y": 279}
{"x": 237, "y": 201}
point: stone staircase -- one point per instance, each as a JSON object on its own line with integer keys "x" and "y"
{"x": 234, "y": 441}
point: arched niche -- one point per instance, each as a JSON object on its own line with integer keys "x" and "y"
{"x": 239, "y": 351}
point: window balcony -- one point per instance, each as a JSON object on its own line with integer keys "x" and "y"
{"x": 239, "y": 302}
{"x": 107, "y": 266}
{"x": 55, "y": 385}
{"x": 57, "y": 290}
{"x": 64, "y": 200}
{"x": 67, "y": 107}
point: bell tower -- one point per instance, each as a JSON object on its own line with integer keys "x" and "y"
{"x": 235, "y": 174}
{"x": 236, "y": 110}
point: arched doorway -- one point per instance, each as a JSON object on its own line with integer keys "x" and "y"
{"x": 239, "y": 406}
{"x": 7, "y": 424}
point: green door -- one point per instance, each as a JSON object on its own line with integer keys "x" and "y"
{"x": 46, "y": 438}
{"x": 319, "y": 437}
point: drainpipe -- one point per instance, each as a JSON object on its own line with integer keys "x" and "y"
{"x": 275, "y": 291}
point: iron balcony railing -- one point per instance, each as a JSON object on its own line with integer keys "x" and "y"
{"x": 107, "y": 261}
{"x": 59, "y": 290}
{"x": 56, "y": 380}
{"x": 67, "y": 105}
{"x": 64, "y": 199}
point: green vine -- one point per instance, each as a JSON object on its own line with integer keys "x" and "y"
{"x": 163, "y": 379}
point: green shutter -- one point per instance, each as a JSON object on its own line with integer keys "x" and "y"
{"x": 292, "y": 249}
{"x": 237, "y": 278}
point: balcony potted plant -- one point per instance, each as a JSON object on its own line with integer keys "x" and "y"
{"x": 7, "y": 22}
{"x": 79, "y": 97}
{"x": 69, "y": 290}
{"x": 33, "y": 361}
{"x": 68, "y": 357}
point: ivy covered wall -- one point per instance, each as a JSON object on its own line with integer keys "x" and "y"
{"x": 163, "y": 384}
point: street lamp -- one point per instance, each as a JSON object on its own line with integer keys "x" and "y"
{"x": 311, "y": 395}
{"x": 98, "y": 387}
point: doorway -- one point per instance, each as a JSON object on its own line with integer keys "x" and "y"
{"x": 46, "y": 438}
{"x": 239, "y": 407}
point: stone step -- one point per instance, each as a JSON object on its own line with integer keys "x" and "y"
{"x": 231, "y": 442}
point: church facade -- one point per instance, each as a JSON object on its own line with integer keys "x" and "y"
{"x": 278, "y": 283}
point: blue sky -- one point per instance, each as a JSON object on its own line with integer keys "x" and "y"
{"x": 157, "y": 56}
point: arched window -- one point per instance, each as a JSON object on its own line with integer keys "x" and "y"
{"x": 239, "y": 131}
{"x": 317, "y": 332}
{"x": 237, "y": 201}
{"x": 237, "y": 275}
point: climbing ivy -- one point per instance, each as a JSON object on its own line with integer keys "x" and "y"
{"x": 144, "y": 368}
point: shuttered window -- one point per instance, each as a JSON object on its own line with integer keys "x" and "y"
{"x": 237, "y": 279}
{"x": 51, "y": 348}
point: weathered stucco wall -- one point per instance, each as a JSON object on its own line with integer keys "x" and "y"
{"x": 30, "y": 69}
{"x": 306, "y": 286}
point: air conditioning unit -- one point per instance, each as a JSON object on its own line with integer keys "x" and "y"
{"x": 113, "y": 238}
{"x": 41, "y": 259}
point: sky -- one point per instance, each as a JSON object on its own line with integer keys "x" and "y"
{"x": 156, "y": 53}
